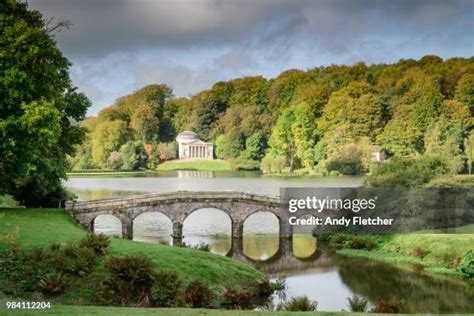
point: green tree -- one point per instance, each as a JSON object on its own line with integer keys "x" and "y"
{"x": 469, "y": 150}
{"x": 107, "y": 137}
{"x": 39, "y": 108}
{"x": 304, "y": 131}
{"x": 441, "y": 140}
{"x": 133, "y": 156}
{"x": 282, "y": 141}
{"x": 145, "y": 124}
{"x": 465, "y": 91}
{"x": 254, "y": 147}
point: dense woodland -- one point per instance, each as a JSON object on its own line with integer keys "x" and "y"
{"x": 325, "y": 119}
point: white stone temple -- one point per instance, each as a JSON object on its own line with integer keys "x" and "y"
{"x": 191, "y": 147}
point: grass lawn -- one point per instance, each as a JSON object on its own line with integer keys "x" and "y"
{"x": 200, "y": 165}
{"x": 34, "y": 227}
{"x": 438, "y": 253}
{"x": 96, "y": 310}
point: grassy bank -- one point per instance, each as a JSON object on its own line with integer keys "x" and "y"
{"x": 95, "y": 310}
{"x": 35, "y": 227}
{"x": 101, "y": 173}
{"x": 437, "y": 253}
{"x": 199, "y": 165}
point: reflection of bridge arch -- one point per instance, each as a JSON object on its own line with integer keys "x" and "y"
{"x": 283, "y": 262}
{"x": 268, "y": 234}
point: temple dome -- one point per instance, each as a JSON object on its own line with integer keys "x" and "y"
{"x": 186, "y": 136}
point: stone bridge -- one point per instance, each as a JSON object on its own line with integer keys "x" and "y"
{"x": 178, "y": 205}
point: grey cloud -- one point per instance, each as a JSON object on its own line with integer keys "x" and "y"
{"x": 105, "y": 26}
{"x": 117, "y": 46}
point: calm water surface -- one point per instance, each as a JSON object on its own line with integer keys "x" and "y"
{"x": 308, "y": 268}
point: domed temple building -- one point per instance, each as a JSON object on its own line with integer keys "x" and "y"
{"x": 191, "y": 147}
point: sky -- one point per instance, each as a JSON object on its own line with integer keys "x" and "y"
{"x": 118, "y": 46}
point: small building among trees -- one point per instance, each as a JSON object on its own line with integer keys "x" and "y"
{"x": 191, "y": 147}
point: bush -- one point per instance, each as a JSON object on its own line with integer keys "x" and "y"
{"x": 198, "y": 294}
{"x": 167, "y": 151}
{"x": 166, "y": 289}
{"x": 265, "y": 289}
{"x": 357, "y": 303}
{"x": 336, "y": 240}
{"x": 237, "y": 299}
{"x": 299, "y": 304}
{"x": 391, "y": 306}
{"x": 466, "y": 266}
{"x": 405, "y": 172}
{"x": 44, "y": 268}
{"x": 245, "y": 164}
{"x": 53, "y": 284}
{"x": 74, "y": 260}
{"x": 129, "y": 281}
{"x": 362, "y": 242}
{"x": 271, "y": 164}
{"x": 98, "y": 243}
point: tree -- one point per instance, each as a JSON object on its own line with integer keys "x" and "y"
{"x": 441, "y": 141}
{"x": 304, "y": 131}
{"x": 106, "y": 138}
{"x": 469, "y": 150}
{"x": 133, "y": 156}
{"x": 465, "y": 91}
{"x": 282, "y": 140}
{"x": 145, "y": 124}
{"x": 167, "y": 151}
{"x": 39, "y": 108}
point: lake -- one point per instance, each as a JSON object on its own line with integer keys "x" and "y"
{"x": 309, "y": 269}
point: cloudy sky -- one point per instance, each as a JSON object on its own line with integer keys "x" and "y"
{"x": 117, "y": 46}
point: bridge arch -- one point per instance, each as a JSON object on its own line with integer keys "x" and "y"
{"x": 211, "y": 226}
{"x": 216, "y": 206}
{"x": 107, "y": 224}
{"x": 152, "y": 226}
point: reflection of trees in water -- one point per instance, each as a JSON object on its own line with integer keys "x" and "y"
{"x": 422, "y": 293}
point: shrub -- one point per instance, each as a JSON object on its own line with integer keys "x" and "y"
{"x": 466, "y": 266}
{"x": 299, "y": 304}
{"x": 272, "y": 164}
{"x": 362, "y": 242}
{"x": 44, "y": 268}
{"x": 203, "y": 247}
{"x": 98, "y": 243}
{"x": 265, "y": 289}
{"x": 53, "y": 284}
{"x": 279, "y": 287}
{"x": 237, "y": 299}
{"x": 167, "y": 151}
{"x": 166, "y": 289}
{"x": 357, "y": 303}
{"x": 74, "y": 260}
{"x": 241, "y": 163}
{"x": 391, "y": 306}
{"x": 405, "y": 172}
{"x": 129, "y": 281}
{"x": 198, "y": 294}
